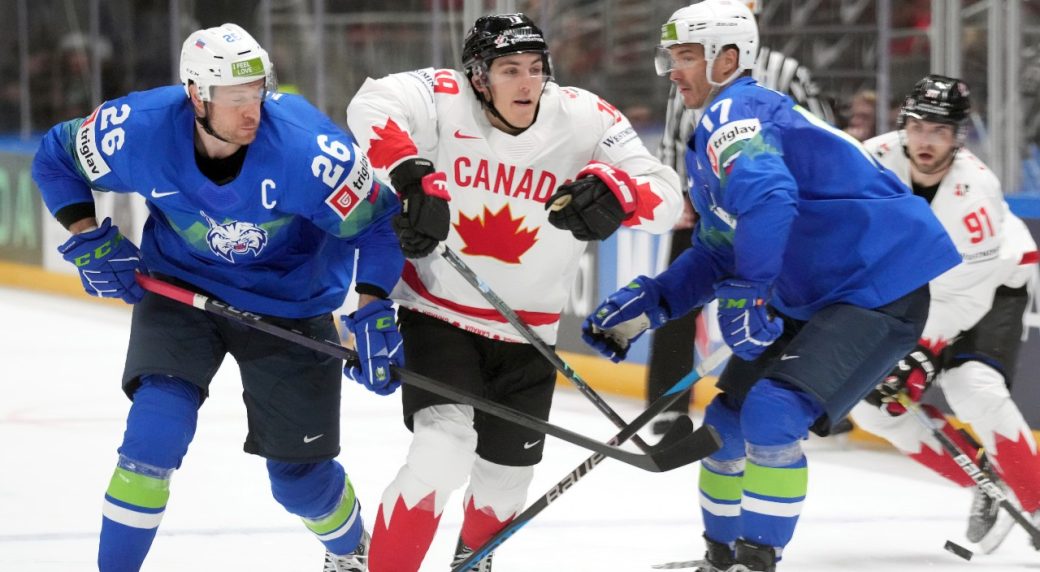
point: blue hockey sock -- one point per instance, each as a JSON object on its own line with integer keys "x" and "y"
{"x": 134, "y": 505}
{"x": 722, "y": 474}
{"x": 772, "y": 501}
{"x": 775, "y": 418}
{"x": 159, "y": 427}
{"x": 322, "y": 495}
{"x": 721, "y": 485}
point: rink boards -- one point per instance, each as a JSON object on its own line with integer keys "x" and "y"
{"x": 28, "y": 259}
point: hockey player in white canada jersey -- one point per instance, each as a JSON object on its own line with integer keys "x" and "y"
{"x": 971, "y": 340}
{"x": 499, "y": 184}
{"x": 487, "y": 152}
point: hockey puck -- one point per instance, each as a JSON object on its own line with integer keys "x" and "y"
{"x": 959, "y": 550}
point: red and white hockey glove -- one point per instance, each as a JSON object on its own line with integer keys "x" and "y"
{"x": 425, "y": 216}
{"x": 912, "y": 375}
{"x": 594, "y": 204}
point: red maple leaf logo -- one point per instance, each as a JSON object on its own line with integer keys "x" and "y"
{"x": 497, "y": 235}
{"x": 389, "y": 145}
{"x": 646, "y": 202}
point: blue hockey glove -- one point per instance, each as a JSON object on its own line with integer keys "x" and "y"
{"x": 623, "y": 317}
{"x": 378, "y": 345}
{"x": 107, "y": 262}
{"x": 747, "y": 326}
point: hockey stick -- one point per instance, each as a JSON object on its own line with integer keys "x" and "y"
{"x": 532, "y": 338}
{"x": 660, "y": 404}
{"x": 683, "y": 450}
{"x": 986, "y": 480}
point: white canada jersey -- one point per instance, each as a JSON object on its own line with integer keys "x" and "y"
{"x": 499, "y": 186}
{"x": 995, "y": 245}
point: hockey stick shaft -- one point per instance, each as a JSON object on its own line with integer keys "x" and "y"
{"x": 256, "y": 321}
{"x": 660, "y": 404}
{"x": 986, "y": 480}
{"x": 536, "y": 341}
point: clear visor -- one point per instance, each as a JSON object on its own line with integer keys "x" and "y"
{"x": 665, "y": 61}
{"x": 514, "y": 72}
{"x": 931, "y": 132}
{"x": 238, "y": 95}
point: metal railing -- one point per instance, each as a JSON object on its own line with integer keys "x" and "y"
{"x": 69, "y": 55}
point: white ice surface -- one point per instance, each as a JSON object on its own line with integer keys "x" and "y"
{"x": 62, "y": 414}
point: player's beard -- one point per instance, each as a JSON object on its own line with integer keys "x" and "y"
{"x": 236, "y": 136}
{"x": 936, "y": 166}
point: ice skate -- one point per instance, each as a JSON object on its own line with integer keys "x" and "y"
{"x": 356, "y": 561}
{"x": 462, "y": 552}
{"x": 753, "y": 557}
{"x": 988, "y": 524}
{"x": 718, "y": 557}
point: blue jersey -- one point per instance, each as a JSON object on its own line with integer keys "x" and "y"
{"x": 787, "y": 200}
{"x": 279, "y": 239}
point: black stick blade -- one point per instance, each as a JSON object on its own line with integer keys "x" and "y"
{"x": 682, "y": 445}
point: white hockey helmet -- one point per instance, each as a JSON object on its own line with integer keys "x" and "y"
{"x": 713, "y": 24}
{"x": 225, "y": 55}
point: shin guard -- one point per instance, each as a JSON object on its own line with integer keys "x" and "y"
{"x": 159, "y": 428}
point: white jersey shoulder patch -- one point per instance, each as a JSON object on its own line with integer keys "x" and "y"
{"x": 619, "y": 135}
{"x": 87, "y": 154}
{"x": 424, "y": 78}
{"x": 730, "y": 133}
{"x": 725, "y": 136}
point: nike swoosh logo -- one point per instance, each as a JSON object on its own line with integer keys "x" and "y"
{"x": 529, "y": 445}
{"x": 786, "y": 357}
{"x": 157, "y": 195}
{"x": 460, "y": 135}
{"x": 308, "y": 438}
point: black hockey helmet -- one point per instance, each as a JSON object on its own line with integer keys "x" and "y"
{"x": 939, "y": 99}
{"x": 500, "y": 35}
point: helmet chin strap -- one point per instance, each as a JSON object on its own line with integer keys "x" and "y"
{"x": 716, "y": 87}
{"x": 204, "y": 122}
{"x": 489, "y": 104}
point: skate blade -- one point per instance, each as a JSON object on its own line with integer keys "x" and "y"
{"x": 996, "y": 535}
{"x": 680, "y": 565}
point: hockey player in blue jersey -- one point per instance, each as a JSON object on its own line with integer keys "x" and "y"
{"x": 260, "y": 200}
{"x": 819, "y": 260}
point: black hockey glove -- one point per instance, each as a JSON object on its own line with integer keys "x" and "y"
{"x": 913, "y": 374}
{"x": 425, "y": 217}
{"x": 594, "y": 205}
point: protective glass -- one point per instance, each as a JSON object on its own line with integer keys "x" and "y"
{"x": 665, "y": 60}
{"x": 237, "y": 95}
{"x": 508, "y": 74}
{"x": 940, "y": 134}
